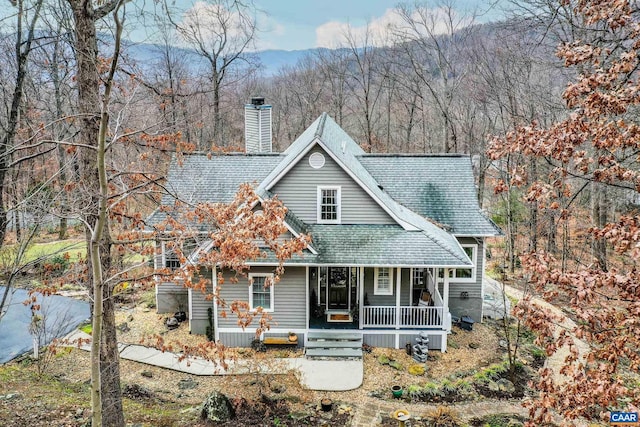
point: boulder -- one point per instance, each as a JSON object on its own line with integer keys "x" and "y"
{"x": 502, "y": 385}
{"x": 217, "y": 408}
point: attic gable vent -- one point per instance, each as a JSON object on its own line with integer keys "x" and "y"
{"x": 316, "y": 160}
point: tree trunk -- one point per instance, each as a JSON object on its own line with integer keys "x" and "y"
{"x": 599, "y": 215}
{"x": 89, "y": 102}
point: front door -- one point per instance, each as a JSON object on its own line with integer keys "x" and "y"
{"x": 338, "y": 288}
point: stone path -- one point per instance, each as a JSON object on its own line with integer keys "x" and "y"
{"x": 556, "y": 360}
{"x": 370, "y": 412}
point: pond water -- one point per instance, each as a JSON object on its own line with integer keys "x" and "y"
{"x": 60, "y": 316}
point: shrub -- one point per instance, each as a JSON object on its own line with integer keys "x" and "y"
{"x": 443, "y": 416}
{"x": 417, "y": 370}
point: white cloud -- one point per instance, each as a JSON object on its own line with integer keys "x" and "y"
{"x": 211, "y": 23}
{"x": 383, "y": 30}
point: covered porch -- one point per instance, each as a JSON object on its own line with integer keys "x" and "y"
{"x": 380, "y": 298}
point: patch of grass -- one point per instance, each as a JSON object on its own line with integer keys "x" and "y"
{"x": 498, "y": 420}
{"x": 148, "y": 298}
{"x": 87, "y": 329}
{"x": 75, "y": 248}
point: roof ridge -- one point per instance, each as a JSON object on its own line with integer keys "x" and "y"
{"x": 320, "y": 128}
{"x": 416, "y": 155}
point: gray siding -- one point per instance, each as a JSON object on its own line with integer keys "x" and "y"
{"x": 237, "y": 339}
{"x": 405, "y": 289}
{"x": 289, "y": 298}
{"x": 171, "y": 297}
{"x": 469, "y": 304}
{"x": 435, "y": 341}
{"x": 298, "y": 191}
{"x": 199, "y": 316}
{"x": 380, "y": 340}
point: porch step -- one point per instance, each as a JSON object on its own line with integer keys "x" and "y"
{"x": 333, "y": 352}
{"x": 333, "y": 344}
{"x": 334, "y": 336}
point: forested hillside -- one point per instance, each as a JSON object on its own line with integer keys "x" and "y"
{"x": 545, "y": 101}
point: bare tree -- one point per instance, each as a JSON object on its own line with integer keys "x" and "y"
{"x": 222, "y": 32}
{"x": 433, "y": 41}
{"x": 26, "y": 16}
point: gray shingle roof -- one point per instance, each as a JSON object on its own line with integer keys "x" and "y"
{"x": 380, "y": 245}
{"x": 326, "y": 132}
{"x": 410, "y": 188}
{"x": 373, "y": 245}
{"x": 200, "y": 179}
{"x": 440, "y": 187}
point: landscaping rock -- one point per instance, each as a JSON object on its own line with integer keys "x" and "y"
{"x": 503, "y": 385}
{"x": 217, "y": 408}
{"x": 187, "y": 384}
{"x": 172, "y": 323}
{"x": 10, "y": 396}
{"x": 396, "y": 365}
{"x": 383, "y": 360}
{"x": 124, "y": 327}
{"x": 147, "y": 374}
{"x": 137, "y": 392}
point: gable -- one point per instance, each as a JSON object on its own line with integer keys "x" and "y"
{"x": 298, "y": 191}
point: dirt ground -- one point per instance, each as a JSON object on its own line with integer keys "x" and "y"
{"x": 158, "y": 397}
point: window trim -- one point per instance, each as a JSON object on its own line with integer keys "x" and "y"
{"x": 319, "y": 190}
{"x": 453, "y": 271}
{"x": 271, "y": 293}
{"x": 165, "y": 252}
{"x": 376, "y": 289}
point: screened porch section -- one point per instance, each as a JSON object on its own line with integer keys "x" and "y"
{"x": 374, "y": 298}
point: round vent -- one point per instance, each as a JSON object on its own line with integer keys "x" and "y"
{"x": 316, "y": 160}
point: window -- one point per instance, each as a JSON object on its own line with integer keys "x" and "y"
{"x": 171, "y": 257}
{"x": 261, "y": 291}
{"x": 383, "y": 281}
{"x": 464, "y": 274}
{"x": 419, "y": 276}
{"x": 328, "y": 205}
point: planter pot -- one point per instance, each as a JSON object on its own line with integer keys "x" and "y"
{"x": 180, "y": 316}
{"x": 396, "y": 390}
{"x": 326, "y": 404}
{"x": 293, "y": 338}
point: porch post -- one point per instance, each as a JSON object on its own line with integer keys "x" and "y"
{"x": 398, "y": 275}
{"x": 360, "y": 296}
{"x": 306, "y": 298}
{"x": 445, "y": 309}
{"x": 214, "y": 283}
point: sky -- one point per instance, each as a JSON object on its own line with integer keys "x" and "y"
{"x": 305, "y": 24}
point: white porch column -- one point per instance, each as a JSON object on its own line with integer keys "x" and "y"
{"x": 306, "y": 298}
{"x": 398, "y": 275}
{"x": 446, "y": 317}
{"x": 214, "y": 283}
{"x": 360, "y": 296}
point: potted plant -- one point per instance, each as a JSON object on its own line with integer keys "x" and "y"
{"x": 396, "y": 390}
{"x": 326, "y": 404}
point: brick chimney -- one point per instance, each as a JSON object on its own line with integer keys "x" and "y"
{"x": 257, "y": 126}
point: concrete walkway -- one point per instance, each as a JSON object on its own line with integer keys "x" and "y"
{"x": 322, "y": 375}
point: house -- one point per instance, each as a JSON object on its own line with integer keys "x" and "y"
{"x": 398, "y": 240}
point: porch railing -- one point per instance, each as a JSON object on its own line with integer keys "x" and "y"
{"x": 437, "y": 301}
{"x": 410, "y": 317}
